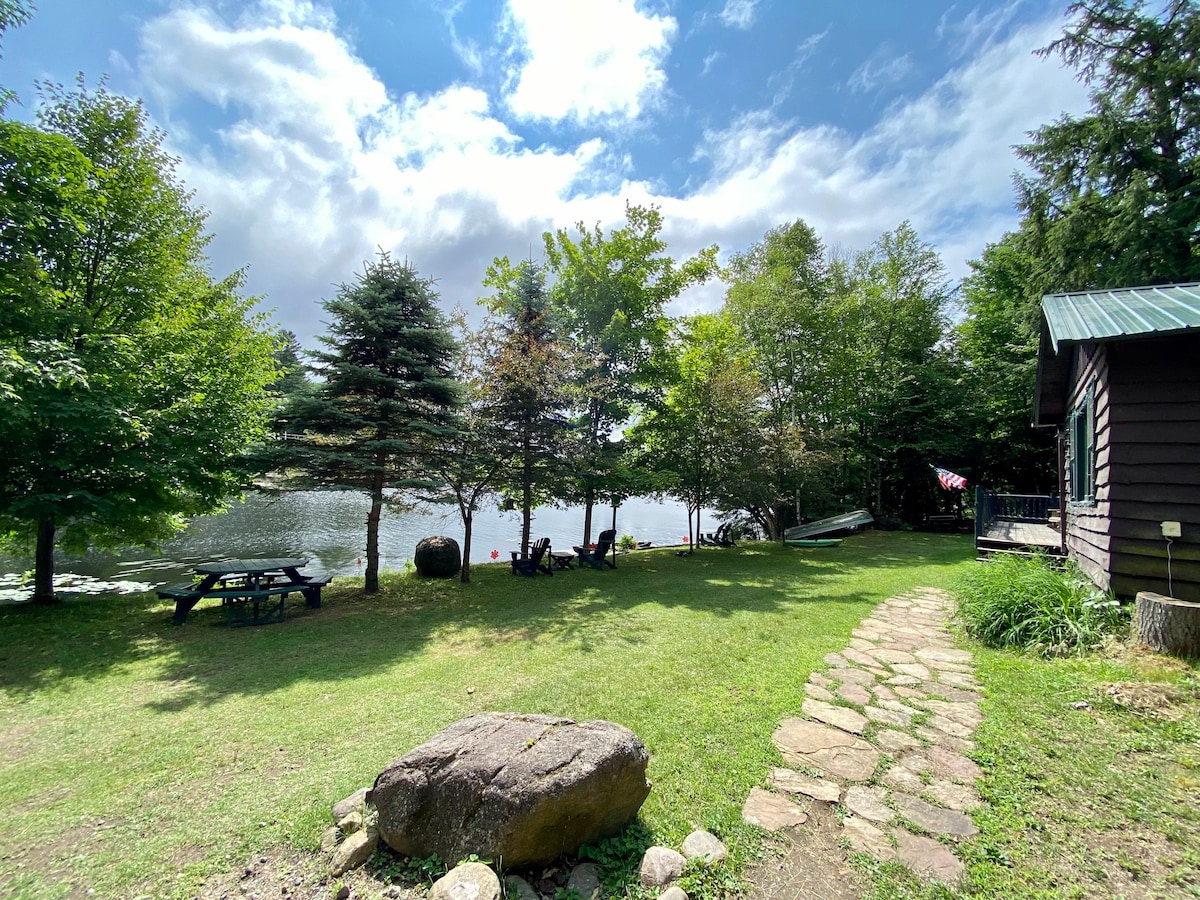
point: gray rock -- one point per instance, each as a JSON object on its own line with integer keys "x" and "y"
{"x": 706, "y": 846}
{"x": 660, "y": 866}
{"x": 351, "y": 822}
{"x": 470, "y": 881}
{"x": 355, "y": 802}
{"x": 354, "y": 851}
{"x": 517, "y": 888}
{"x": 437, "y": 557}
{"x": 585, "y": 881}
{"x": 522, "y": 788}
{"x": 674, "y": 892}
{"x": 329, "y": 839}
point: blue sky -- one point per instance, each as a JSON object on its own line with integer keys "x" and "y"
{"x": 453, "y": 132}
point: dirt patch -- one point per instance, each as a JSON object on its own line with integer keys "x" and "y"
{"x": 1139, "y": 865}
{"x": 1162, "y": 700}
{"x": 810, "y": 864}
{"x": 286, "y": 873}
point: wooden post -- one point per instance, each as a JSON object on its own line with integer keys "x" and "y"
{"x": 1168, "y": 625}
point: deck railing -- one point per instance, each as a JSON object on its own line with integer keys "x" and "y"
{"x": 993, "y": 507}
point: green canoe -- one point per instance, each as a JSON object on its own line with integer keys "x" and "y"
{"x": 814, "y": 542}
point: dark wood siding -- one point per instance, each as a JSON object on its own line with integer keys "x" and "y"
{"x": 1153, "y": 463}
{"x": 1088, "y": 540}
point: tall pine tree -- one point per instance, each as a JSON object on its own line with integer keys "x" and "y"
{"x": 528, "y": 388}
{"x": 388, "y": 395}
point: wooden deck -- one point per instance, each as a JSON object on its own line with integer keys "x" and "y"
{"x": 1022, "y": 534}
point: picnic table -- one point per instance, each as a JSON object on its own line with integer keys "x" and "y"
{"x": 251, "y": 590}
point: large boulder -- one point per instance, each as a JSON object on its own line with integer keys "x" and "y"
{"x": 437, "y": 557}
{"x": 524, "y": 789}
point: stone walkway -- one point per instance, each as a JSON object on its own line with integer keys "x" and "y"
{"x": 883, "y": 731}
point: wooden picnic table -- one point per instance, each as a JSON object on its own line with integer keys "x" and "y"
{"x": 251, "y": 590}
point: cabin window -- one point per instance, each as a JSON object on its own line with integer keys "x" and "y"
{"x": 1081, "y": 449}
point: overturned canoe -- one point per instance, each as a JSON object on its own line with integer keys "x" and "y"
{"x": 814, "y": 542}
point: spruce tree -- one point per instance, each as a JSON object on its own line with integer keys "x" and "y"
{"x": 529, "y": 388}
{"x": 388, "y": 394}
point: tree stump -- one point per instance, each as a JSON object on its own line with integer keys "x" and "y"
{"x": 437, "y": 557}
{"x": 1168, "y": 625}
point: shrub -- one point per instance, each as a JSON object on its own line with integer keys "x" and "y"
{"x": 1027, "y": 603}
{"x": 627, "y": 542}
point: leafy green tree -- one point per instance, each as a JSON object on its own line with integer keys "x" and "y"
{"x": 1113, "y": 199}
{"x": 708, "y": 423}
{"x": 784, "y": 301}
{"x": 387, "y": 396}
{"x": 610, "y": 295}
{"x": 528, "y": 388}
{"x": 136, "y": 382}
{"x": 997, "y": 342}
{"x": 903, "y": 398}
{"x": 472, "y": 459}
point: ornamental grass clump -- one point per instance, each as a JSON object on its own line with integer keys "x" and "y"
{"x": 1027, "y": 603}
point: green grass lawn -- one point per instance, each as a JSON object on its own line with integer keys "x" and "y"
{"x": 139, "y": 757}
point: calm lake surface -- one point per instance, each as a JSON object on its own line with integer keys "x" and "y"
{"x": 329, "y": 528}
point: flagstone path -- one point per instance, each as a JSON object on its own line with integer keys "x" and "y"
{"x": 883, "y": 731}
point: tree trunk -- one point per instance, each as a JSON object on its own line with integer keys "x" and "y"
{"x": 43, "y": 562}
{"x": 1168, "y": 625}
{"x": 465, "y": 575}
{"x": 589, "y": 500}
{"x": 371, "y": 575}
{"x": 526, "y": 497}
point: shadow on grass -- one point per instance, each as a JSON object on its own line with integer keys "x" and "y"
{"x": 43, "y": 648}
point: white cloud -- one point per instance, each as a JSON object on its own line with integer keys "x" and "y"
{"x": 880, "y": 69}
{"x": 975, "y": 29}
{"x": 318, "y": 164}
{"x": 738, "y": 13}
{"x": 710, "y": 60}
{"x": 467, "y": 51}
{"x": 586, "y": 60}
{"x": 943, "y": 161}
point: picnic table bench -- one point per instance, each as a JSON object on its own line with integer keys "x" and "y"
{"x": 251, "y": 590}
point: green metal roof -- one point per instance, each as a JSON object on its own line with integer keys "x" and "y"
{"x": 1129, "y": 312}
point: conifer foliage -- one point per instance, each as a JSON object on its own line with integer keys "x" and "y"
{"x": 388, "y": 395}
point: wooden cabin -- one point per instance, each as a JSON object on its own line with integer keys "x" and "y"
{"x": 1119, "y": 377}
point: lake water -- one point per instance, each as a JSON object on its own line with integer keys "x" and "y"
{"x": 329, "y": 528}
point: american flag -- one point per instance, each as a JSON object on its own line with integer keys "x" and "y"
{"x": 949, "y": 480}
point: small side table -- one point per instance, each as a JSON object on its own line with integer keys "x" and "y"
{"x": 562, "y": 559}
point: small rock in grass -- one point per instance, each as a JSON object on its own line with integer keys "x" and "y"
{"x": 350, "y": 823}
{"x": 585, "y": 881}
{"x": 355, "y": 802}
{"x": 470, "y": 881}
{"x": 329, "y": 839}
{"x": 517, "y": 888}
{"x": 706, "y": 846}
{"x": 354, "y": 851}
{"x": 674, "y": 892}
{"x": 660, "y": 865}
